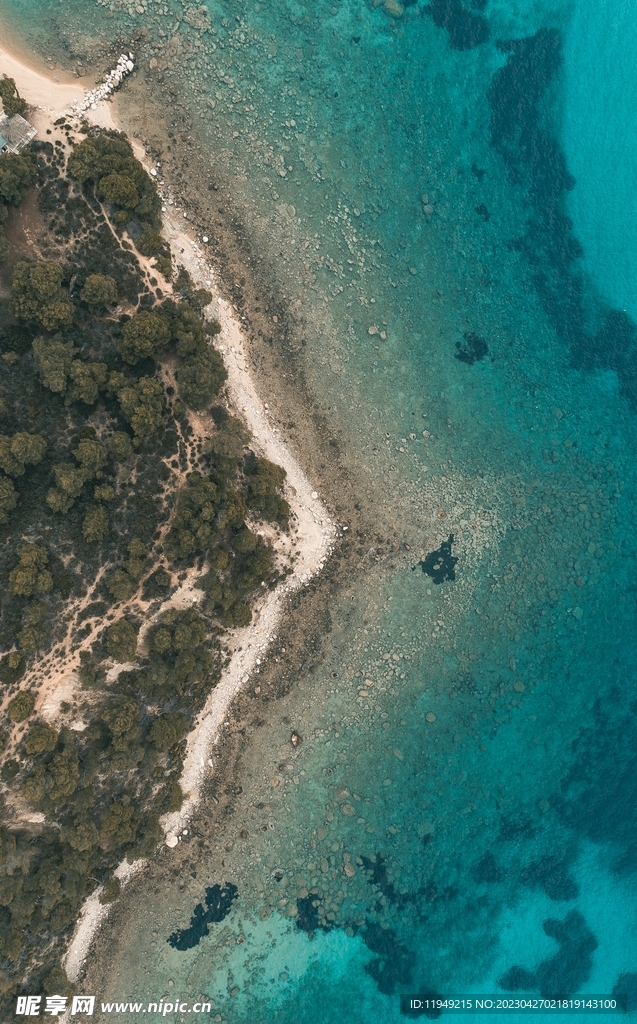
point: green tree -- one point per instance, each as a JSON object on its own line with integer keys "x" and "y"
{"x": 5, "y": 244}
{"x": 99, "y": 291}
{"x": 122, "y": 718}
{"x": 121, "y": 444}
{"x": 118, "y": 822}
{"x": 30, "y": 576}
{"x": 136, "y": 561}
{"x": 17, "y": 172}
{"x": 37, "y": 295}
{"x": 145, "y": 334}
{"x": 11, "y": 100}
{"x": 120, "y": 586}
{"x": 195, "y": 526}
{"x": 265, "y": 480}
{"x": 151, "y": 243}
{"x": 142, "y": 403}
{"x": 20, "y": 706}
{"x": 228, "y": 442}
{"x": 86, "y": 381}
{"x": 118, "y": 189}
{"x": 32, "y": 636}
{"x": 69, "y": 480}
{"x": 41, "y": 739}
{"x": 166, "y": 732}
{"x": 92, "y": 456}
{"x": 111, "y": 890}
{"x": 81, "y": 836}
{"x": 200, "y": 378}
{"x": 53, "y": 361}
{"x": 121, "y": 640}
{"x": 20, "y": 450}
{"x": 95, "y": 524}
{"x": 8, "y": 498}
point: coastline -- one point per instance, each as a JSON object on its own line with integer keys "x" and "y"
{"x": 313, "y": 526}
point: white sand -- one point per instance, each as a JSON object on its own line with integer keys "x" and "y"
{"x": 313, "y": 529}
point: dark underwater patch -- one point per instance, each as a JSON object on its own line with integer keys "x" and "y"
{"x": 486, "y": 869}
{"x": 513, "y": 828}
{"x": 626, "y": 985}
{"x": 440, "y": 564}
{"x": 465, "y": 29}
{"x": 218, "y": 900}
{"x": 307, "y": 918}
{"x": 599, "y": 794}
{"x": 551, "y": 875}
{"x": 534, "y": 159}
{"x": 474, "y": 349}
{"x": 394, "y": 963}
{"x": 564, "y": 973}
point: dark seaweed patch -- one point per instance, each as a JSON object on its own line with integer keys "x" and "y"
{"x": 466, "y": 30}
{"x": 626, "y": 985}
{"x": 394, "y": 964}
{"x": 563, "y": 973}
{"x": 307, "y": 918}
{"x": 440, "y": 564}
{"x": 535, "y": 161}
{"x": 486, "y": 869}
{"x": 475, "y": 348}
{"x": 512, "y": 828}
{"x": 551, "y": 875}
{"x": 599, "y": 794}
{"x": 218, "y": 900}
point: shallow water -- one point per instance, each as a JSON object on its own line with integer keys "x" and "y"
{"x": 398, "y": 179}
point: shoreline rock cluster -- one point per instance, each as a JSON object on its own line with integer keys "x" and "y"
{"x": 112, "y": 80}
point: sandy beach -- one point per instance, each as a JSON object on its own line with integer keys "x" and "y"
{"x": 312, "y": 532}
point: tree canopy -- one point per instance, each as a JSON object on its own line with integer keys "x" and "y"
{"x": 145, "y": 334}
{"x": 11, "y": 99}
{"x": 37, "y": 295}
{"x": 99, "y": 291}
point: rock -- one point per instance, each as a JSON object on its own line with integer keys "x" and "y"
{"x": 393, "y": 8}
{"x": 171, "y": 840}
{"x": 430, "y": 717}
{"x": 372, "y": 330}
{"x": 295, "y": 739}
{"x": 348, "y": 809}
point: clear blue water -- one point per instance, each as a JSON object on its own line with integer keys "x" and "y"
{"x": 443, "y": 186}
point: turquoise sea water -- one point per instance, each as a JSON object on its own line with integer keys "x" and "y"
{"x": 460, "y": 173}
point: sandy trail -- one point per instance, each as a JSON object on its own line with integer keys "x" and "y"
{"x": 312, "y": 528}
